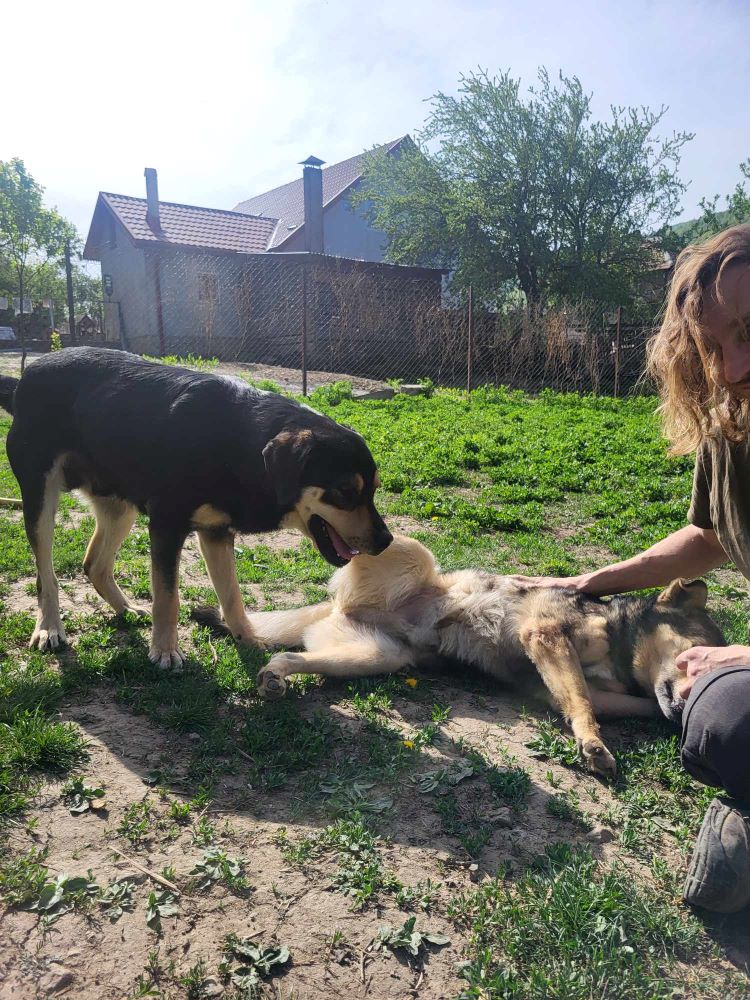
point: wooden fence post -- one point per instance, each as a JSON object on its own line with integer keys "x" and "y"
{"x": 71, "y": 301}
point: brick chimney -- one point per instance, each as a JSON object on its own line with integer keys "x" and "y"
{"x": 152, "y": 201}
{"x": 312, "y": 186}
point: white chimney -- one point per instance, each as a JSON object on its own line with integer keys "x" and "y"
{"x": 152, "y": 200}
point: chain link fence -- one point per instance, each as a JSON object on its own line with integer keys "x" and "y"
{"x": 305, "y": 318}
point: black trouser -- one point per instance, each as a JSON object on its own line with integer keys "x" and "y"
{"x": 716, "y": 731}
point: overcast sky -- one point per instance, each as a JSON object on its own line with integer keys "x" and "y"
{"x": 224, "y": 98}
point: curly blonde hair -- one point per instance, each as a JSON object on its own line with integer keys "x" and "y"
{"x": 684, "y": 361}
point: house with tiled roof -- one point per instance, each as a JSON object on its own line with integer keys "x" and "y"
{"x": 181, "y": 278}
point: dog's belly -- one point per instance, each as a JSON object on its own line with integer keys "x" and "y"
{"x": 505, "y": 662}
{"x": 82, "y": 474}
{"x": 201, "y": 501}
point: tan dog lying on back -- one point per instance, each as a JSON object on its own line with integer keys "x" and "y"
{"x": 396, "y": 610}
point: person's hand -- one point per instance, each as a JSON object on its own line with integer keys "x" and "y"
{"x": 561, "y": 582}
{"x": 700, "y": 660}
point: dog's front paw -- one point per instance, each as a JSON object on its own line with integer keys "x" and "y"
{"x": 48, "y": 635}
{"x": 142, "y": 614}
{"x": 272, "y": 678}
{"x": 167, "y": 658}
{"x": 271, "y": 686}
{"x": 598, "y": 759}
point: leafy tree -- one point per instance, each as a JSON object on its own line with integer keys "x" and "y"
{"x": 529, "y": 192}
{"x": 712, "y": 218}
{"x": 31, "y": 235}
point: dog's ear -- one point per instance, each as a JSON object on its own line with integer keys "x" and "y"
{"x": 681, "y": 594}
{"x": 285, "y": 457}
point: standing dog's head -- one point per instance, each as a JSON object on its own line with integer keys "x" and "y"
{"x": 325, "y": 477}
{"x": 674, "y": 622}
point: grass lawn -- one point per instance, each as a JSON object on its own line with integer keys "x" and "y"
{"x": 169, "y": 835}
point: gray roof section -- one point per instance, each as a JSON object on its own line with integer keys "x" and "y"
{"x": 286, "y": 202}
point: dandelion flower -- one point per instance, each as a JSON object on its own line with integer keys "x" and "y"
{"x": 409, "y": 744}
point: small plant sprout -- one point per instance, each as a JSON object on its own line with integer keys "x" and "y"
{"x": 160, "y": 904}
{"x": 256, "y": 962}
{"x": 406, "y": 938}
{"x": 79, "y": 797}
{"x": 116, "y": 898}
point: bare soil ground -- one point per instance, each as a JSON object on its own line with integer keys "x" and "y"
{"x": 86, "y": 956}
{"x": 338, "y": 804}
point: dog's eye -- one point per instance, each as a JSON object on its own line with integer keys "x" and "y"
{"x": 346, "y": 496}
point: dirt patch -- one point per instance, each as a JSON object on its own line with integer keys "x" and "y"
{"x": 290, "y": 379}
{"x": 103, "y": 960}
{"x": 100, "y": 960}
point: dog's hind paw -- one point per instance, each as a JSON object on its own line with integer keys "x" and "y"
{"x": 48, "y": 637}
{"x": 598, "y": 759}
{"x": 270, "y": 685}
{"x": 167, "y": 659}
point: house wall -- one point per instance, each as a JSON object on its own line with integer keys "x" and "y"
{"x": 346, "y": 233}
{"x": 193, "y": 322}
{"x": 256, "y": 309}
{"x": 131, "y": 287}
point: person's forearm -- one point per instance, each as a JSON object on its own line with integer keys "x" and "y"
{"x": 689, "y": 552}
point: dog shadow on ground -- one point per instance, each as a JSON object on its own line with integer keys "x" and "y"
{"x": 466, "y": 788}
{"x": 264, "y": 779}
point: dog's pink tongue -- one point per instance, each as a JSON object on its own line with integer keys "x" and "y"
{"x": 342, "y": 549}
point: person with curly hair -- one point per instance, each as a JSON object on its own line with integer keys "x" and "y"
{"x": 700, "y": 359}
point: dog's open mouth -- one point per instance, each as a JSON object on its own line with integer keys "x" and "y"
{"x": 330, "y": 544}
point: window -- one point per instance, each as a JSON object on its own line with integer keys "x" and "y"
{"x": 208, "y": 288}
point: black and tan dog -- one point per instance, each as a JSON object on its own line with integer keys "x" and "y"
{"x": 612, "y": 657}
{"x": 194, "y": 451}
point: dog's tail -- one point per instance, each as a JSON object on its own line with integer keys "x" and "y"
{"x": 286, "y": 628}
{"x": 7, "y": 391}
{"x": 271, "y": 628}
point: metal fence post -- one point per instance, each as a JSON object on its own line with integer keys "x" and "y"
{"x": 470, "y": 339}
{"x": 71, "y": 305}
{"x": 617, "y": 351}
{"x": 304, "y": 327}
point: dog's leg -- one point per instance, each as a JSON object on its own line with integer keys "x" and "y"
{"x": 166, "y": 547}
{"x": 287, "y": 628}
{"x": 355, "y": 659}
{"x": 114, "y": 519}
{"x": 615, "y": 704}
{"x": 217, "y": 548}
{"x": 40, "y": 499}
{"x": 557, "y": 662}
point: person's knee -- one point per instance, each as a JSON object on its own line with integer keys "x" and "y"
{"x": 716, "y": 731}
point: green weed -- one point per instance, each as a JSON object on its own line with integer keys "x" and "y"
{"x": 571, "y": 928}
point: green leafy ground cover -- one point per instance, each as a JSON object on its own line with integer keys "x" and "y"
{"x": 348, "y": 807}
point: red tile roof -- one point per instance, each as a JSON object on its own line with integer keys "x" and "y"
{"x": 191, "y": 226}
{"x": 286, "y": 203}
